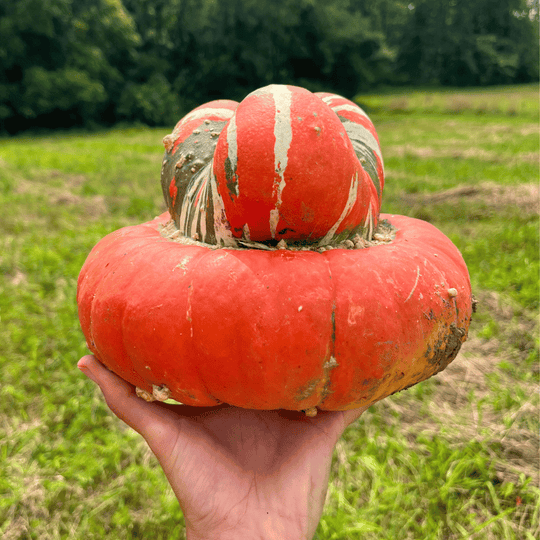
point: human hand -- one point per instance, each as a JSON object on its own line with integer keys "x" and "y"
{"x": 237, "y": 473}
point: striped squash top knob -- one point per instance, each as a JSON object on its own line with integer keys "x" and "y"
{"x": 283, "y": 165}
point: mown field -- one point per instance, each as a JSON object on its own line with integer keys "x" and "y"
{"x": 455, "y": 457}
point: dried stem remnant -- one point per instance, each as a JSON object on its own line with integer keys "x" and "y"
{"x": 143, "y": 394}
{"x": 161, "y": 393}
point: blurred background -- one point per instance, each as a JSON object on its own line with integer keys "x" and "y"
{"x": 91, "y": 63}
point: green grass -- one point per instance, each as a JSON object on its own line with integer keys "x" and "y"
{"x": 512, "y": 101}
{"x": 455, "y": 457}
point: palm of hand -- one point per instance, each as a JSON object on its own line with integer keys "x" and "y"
{"x": 268, "y": 463}
{"x": 261, "y": 472}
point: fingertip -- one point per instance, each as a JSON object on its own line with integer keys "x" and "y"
{"x": 121, "y": 398}
{"x": 88, "y": 365}
{"x": 84, "y": 360}
{"x": 113, "y": 387}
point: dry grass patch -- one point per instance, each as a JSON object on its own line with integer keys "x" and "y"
{"x": 451, "y": 151}
{"x": 494, "y": 196}
{"x": 471, "y": 436}
{"x": 91, "y": 207}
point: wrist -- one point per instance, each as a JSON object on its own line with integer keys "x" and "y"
{"x": 256, "y": 529}
{"x": 242, "y": 534}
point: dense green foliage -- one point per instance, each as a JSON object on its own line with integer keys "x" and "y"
{"x": 453, "y": 458}
{"x": 86, "y": 62}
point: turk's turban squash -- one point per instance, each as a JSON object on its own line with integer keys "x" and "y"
{"x": 273, "y": 281}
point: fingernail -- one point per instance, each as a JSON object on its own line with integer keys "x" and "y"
{"x": 87, "y": 372}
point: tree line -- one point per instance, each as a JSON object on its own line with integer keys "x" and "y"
{"x": 67, "y": 63}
